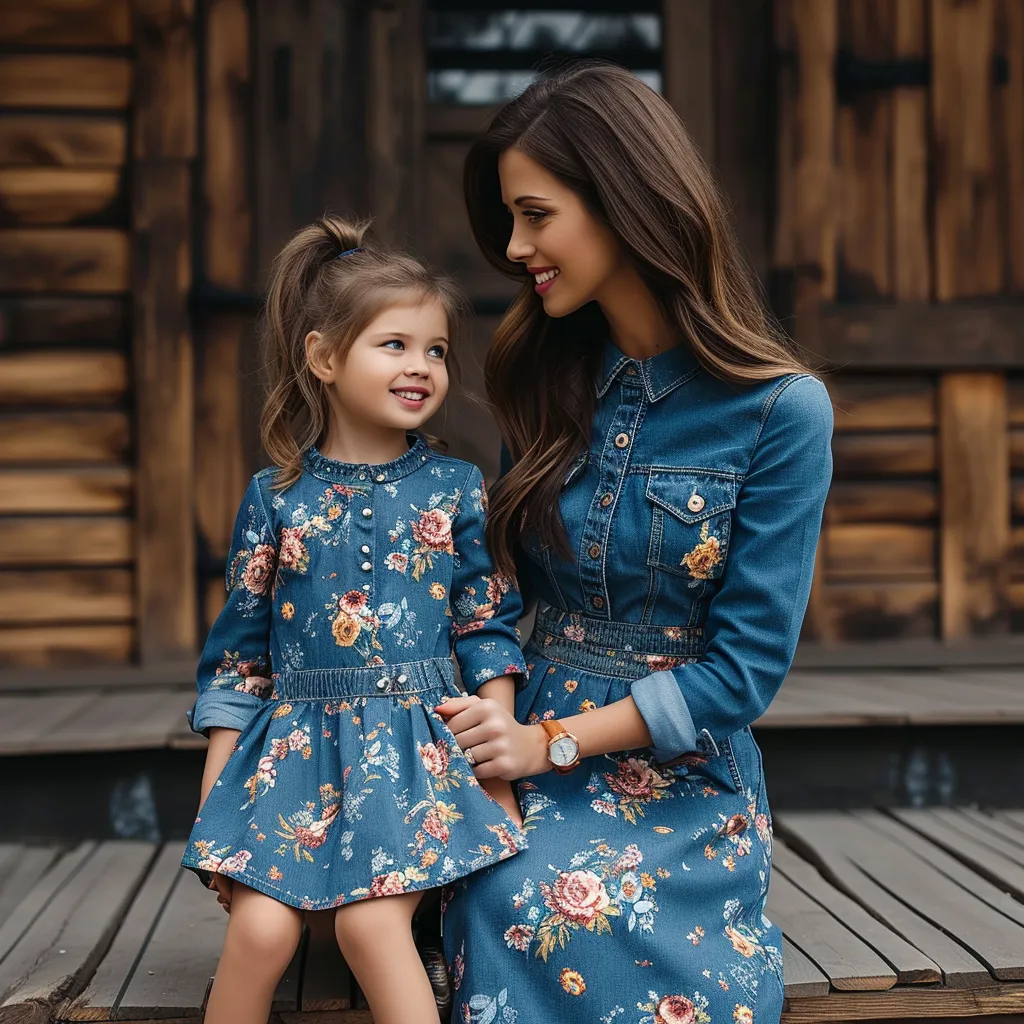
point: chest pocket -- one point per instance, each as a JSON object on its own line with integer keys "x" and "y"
{"x": 691, "y": 520}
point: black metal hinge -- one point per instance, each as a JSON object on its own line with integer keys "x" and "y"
{"x": 855, "y": 75}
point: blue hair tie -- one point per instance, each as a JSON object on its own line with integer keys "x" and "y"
{"x": 348, "y": 252}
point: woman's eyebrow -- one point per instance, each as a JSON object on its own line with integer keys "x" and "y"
{"x": 524, "y": 199}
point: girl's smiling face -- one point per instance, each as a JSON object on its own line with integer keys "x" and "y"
{"x": 572, "y": 256}
{"x": 394, "y": 376}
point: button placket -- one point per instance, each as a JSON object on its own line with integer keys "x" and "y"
{"x": 613, "y": 463}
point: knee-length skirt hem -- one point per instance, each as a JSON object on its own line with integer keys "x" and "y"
{"x": 325, "y": 802}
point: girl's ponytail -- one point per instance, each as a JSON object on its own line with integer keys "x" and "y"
{"x": 329, "y": 278}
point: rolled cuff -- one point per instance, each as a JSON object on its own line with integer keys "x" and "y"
{"x": 486, "y": 659}
{"x": 663, "y": 708}
{"x": 223, "y": 709}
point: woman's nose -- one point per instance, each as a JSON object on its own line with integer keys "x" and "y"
{"x": 519, "y": 249}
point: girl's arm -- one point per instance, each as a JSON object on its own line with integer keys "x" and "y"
{"x": 222, "y": 743}
{"x": 235, "y": 664}
{"x": 485, "y": 605}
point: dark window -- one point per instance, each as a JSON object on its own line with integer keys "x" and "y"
{"x": 477, "y": 54}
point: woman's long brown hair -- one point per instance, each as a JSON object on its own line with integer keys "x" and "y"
{"x": 623, "y": 150}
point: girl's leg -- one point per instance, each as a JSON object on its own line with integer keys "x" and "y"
{"x": 375, "y": 938}
{"x": 261, "y": 939}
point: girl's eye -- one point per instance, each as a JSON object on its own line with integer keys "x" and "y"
{"x": 395, "y": 342}
{"x": 438, "y": 351}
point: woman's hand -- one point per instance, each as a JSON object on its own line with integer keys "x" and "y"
{"x": 501, "y": 747}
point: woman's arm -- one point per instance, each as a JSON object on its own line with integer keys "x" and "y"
{"x": 753, "y": 622}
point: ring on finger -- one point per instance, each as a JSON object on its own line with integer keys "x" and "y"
{"x": 470, "y": 759}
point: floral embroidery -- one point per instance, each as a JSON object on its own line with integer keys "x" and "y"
{"x": 705, "y": 555}
{"x": 635, "y": 784}
{"x": 675, "y": 1009}
{"x": 303, "y": 832}
{"x": 572, "y": 981}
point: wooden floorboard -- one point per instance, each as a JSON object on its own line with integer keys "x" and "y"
{"x": 910, "y": 964}
{"x": 875, "y": 907}
{"x": 68, "y": 938}
{"x": 174, "y": 972}
{"x": 98, "y": 1000}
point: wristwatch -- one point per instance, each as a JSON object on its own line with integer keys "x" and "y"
{"x": 563, "y": 747}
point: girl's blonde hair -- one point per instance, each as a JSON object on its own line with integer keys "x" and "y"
{"x": 330, "y": 278}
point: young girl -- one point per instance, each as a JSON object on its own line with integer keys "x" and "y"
{"x": 358, "y": 564}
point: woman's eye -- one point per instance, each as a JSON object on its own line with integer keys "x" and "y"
{"x": 394, "y": 342}
{"x": 535, "y": 216}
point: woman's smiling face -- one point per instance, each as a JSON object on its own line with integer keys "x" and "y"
{"x": 572, "y": 256}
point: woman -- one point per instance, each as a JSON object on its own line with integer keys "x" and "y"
{"x": 666, "y": 467}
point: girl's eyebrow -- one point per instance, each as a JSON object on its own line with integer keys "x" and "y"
{"x": 406, "y": 337}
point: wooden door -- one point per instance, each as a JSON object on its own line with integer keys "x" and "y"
{"x": 899, "y": 239}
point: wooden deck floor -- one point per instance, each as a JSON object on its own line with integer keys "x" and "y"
{"x": 77, "y": 713}
{"x": 906, "y": 915}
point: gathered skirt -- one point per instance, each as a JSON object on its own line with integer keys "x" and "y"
{"x": 348, "y": 785}
{"x": 640, "y": 898}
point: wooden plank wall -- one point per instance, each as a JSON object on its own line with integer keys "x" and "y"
{"x": 891, "y": 202}
{"x": 97, "y": 557}
{"x": 67, "y": 478}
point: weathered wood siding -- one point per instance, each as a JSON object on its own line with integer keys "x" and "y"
{"x": 898, "y": 227}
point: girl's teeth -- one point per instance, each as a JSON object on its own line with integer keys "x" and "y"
{"x": 411, "y": 395}
{"x": 546, "y": 276}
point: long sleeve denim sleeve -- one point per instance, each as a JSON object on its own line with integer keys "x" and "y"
{"x": 236, "y": 658}
{"x": 486, "y": 605}
{"x": 754, "y": 620}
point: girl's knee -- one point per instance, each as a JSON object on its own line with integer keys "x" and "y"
{"x": 264, "y": 928}
{"x": 375, "y": 921}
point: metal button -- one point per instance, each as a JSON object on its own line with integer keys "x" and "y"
{"x": 403, "y": 678}
{"x": 695, "y": 503}
{"x": 606, "y": 500}
{"x": 380, "y": 478}
{"x": 365, "y": 549}
{"x": 594, "y": 550}
{"x": 597, "y": 602}
{"x": 366, "y": 566}
{"x": 631, "y": 370}
{"x": 621, "y": 440}
{"x": 366, "y": 586}
{"x": 367, "y": 512}
{"x": 362, "y": 476}
{"x": 382, "y": 683}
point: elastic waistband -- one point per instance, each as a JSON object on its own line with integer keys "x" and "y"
{"x": 374, "y": 681}
{"x": 613, "y": 648}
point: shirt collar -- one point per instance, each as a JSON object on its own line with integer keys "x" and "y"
{"x": 356, "y": 473}
{"x": 660, "y": 374}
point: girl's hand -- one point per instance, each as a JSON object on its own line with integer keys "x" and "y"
{"x": 501, "y": 747}
{"x": 222, "y": 886}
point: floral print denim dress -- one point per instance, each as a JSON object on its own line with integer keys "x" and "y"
{"x": 349, "y": 590}
{"x": 694, "y": 517}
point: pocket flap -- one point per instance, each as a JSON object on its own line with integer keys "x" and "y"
{"x": 692, "y": 495}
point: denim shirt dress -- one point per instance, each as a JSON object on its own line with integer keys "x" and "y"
{"x": 693, "y": 520}
{"x": 349, "y": 590}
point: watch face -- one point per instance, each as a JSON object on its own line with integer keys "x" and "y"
{"x": 563, "y": 751}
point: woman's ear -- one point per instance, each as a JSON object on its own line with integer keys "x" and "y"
{"x": 319, "y": 357}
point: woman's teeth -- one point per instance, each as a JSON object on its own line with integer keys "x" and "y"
{"x": 548, "y": 275}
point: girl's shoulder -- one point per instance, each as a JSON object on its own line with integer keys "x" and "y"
{"x": 466, "y": 474}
